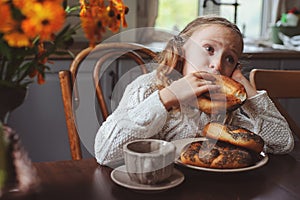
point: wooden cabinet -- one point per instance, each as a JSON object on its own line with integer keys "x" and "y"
{"x": 270, "y": 59}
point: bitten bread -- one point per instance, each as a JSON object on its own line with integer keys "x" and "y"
{"x": 231, "y": 96}
{"x": 234, "y": 135}
{"x": 212, "y": 154}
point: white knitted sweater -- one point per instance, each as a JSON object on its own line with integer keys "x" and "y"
{"x": 141, "y": 114}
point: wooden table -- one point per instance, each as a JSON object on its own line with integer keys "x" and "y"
{"x": 85, "y": 179}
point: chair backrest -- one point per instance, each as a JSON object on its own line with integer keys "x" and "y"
{"x": 280, "y": 84}
{"x": 138, "y": 53}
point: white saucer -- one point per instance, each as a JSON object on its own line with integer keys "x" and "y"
{"x": 120, "y": 176}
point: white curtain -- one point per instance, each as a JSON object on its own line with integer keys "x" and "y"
{"x": 147, "y": 11}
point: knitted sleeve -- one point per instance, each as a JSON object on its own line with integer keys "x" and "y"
{"x": 260, "y": 115}
{"x": 139, "y": 115}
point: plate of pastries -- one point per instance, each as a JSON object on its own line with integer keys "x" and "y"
{"x": 223, "y": 147}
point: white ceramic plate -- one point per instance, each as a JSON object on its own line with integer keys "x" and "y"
{"x": 181, "y": 143}
{"x": 120, "y": 176}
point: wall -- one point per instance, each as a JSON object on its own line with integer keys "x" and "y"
{"x": 40, "y": 120}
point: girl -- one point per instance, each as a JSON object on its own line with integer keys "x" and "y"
{"x": 160, "y": 104}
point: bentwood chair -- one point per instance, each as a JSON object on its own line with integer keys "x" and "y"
{"x": 280, "y": 85}
{"x": 105, "y": 53}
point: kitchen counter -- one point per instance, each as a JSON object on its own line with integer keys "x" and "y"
{"x": 269, "y": 53}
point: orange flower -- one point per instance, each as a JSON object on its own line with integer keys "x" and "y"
{"x": 17, "y": 39}
{"x": 22, "y": 3}
{"x": 93, "y": 24}
{"x": 43, "y": 19}
{"x": 121, "y": 9}
{"x": 6, "y": 23}
{"x": 40, "y": 77}
{"x": 96, "y": 16}
{"x": 41, "y": 53}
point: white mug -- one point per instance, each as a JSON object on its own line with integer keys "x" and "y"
{"x": 149, "y": 161}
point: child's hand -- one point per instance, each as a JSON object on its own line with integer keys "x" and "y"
{"x": 239, "y": 77}
{"x": 187, "y": 89}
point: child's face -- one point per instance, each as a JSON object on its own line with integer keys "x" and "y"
{"x": 212, "y": 48}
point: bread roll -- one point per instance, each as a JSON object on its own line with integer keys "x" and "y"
{"x": 231, "y": 96}
{"x": 219, "y": 155}
{"x": 234, "y": 135}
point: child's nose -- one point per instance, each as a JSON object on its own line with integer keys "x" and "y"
{"x": 216, "y": 65}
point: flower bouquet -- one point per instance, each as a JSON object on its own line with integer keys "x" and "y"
{"x": 33, "y": 30}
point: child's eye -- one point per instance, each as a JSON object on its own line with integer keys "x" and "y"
{"x": 230, "y": 59}
{"x": 209, "y": 49}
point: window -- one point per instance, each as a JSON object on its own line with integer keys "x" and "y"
{"x": 252, "y": 16}
{"x": 249, "y": 15}
{"x": 175, "y": 14}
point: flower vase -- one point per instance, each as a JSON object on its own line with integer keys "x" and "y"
{"x": 10, "y": 99}
{"x": 17, "y": 174}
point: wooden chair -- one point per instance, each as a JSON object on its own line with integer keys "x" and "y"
{"x": 280, "y": 84}
{"x": 138, "y": 53}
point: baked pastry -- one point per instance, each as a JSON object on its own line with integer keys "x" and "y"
{"x": 231, "y": 96}
{"x": 234, "y": 135}
{"x": 215, "y": 154}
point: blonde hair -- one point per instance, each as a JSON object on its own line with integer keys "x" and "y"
{"x": 171, "y": 58}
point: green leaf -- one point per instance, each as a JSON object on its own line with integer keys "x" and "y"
{"x": 17, "y": 14}
{"x": 63, "y": 31}
{"x": 71, "y": 54}
{"x": 5, "y": 49}
{"x": 70, "y": 9}
{"x": 25, "y": 68}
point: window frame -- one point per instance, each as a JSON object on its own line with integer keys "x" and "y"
{"x": 266, "y": 17}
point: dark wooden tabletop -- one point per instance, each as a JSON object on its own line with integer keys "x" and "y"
{"x": 85, "y": 179}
